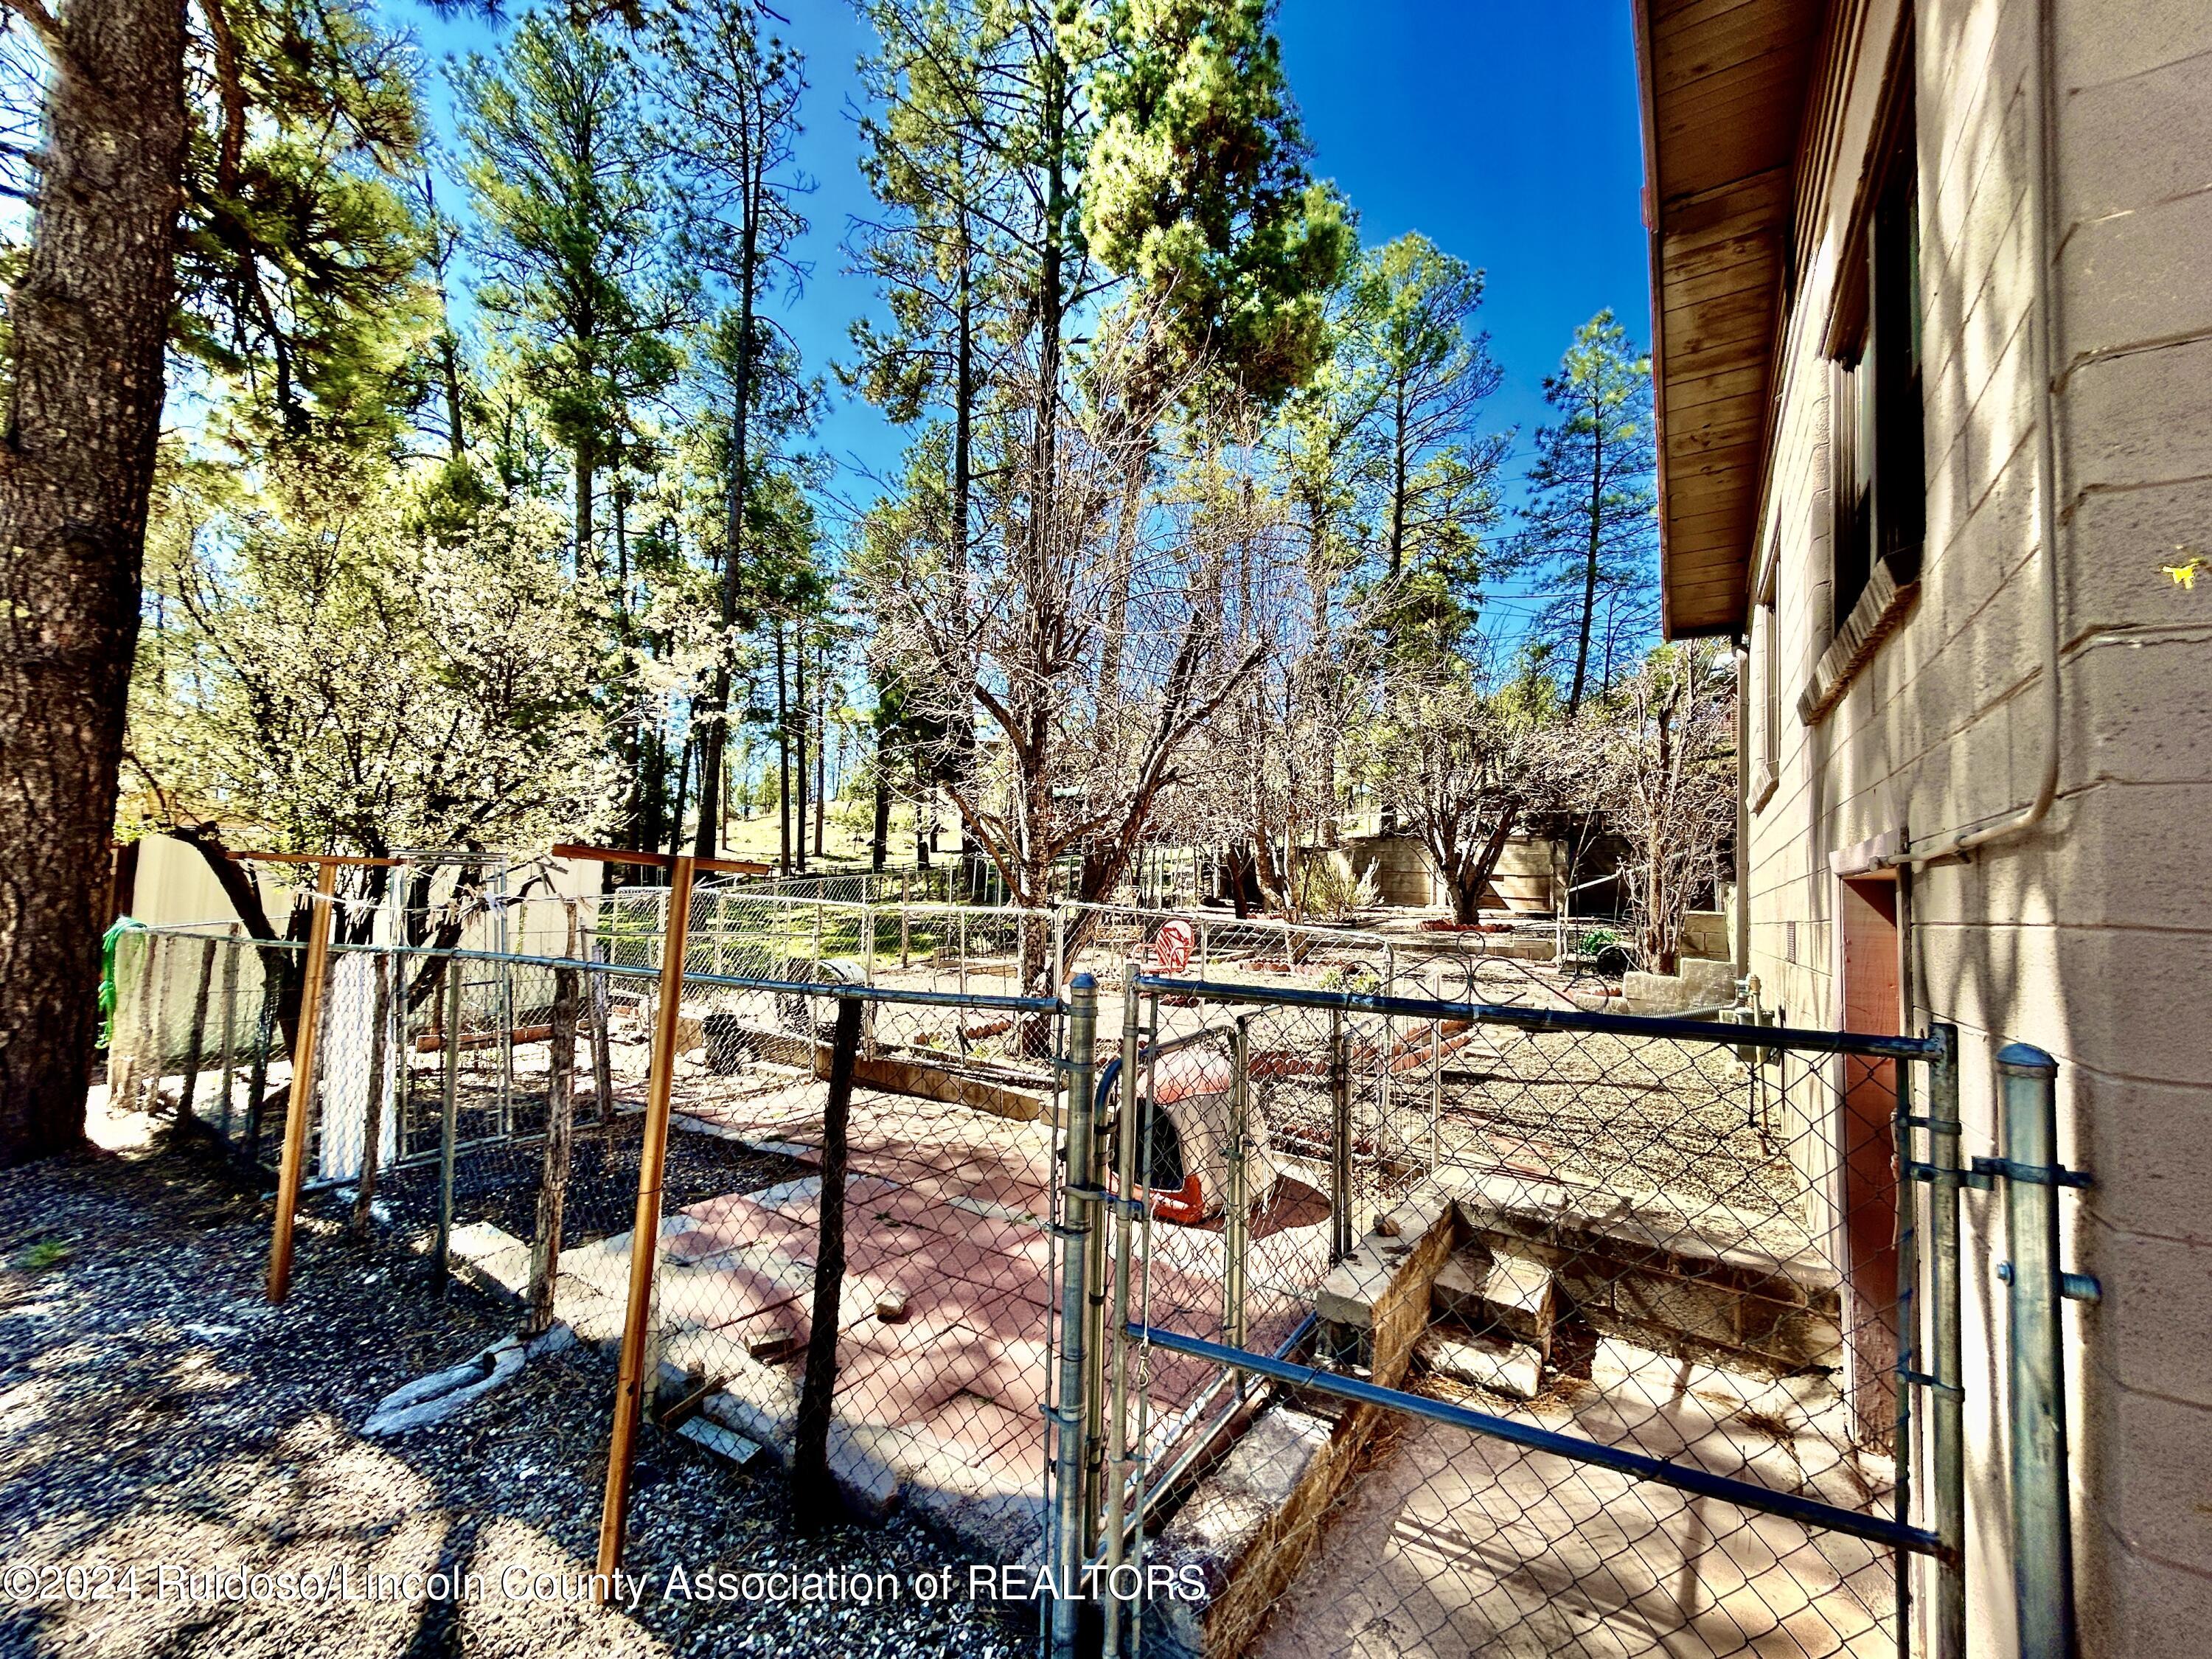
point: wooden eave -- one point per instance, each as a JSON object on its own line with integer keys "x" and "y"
{"x": 1724, "y": 84}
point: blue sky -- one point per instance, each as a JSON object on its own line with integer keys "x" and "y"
{"x": 1507, "y": 131}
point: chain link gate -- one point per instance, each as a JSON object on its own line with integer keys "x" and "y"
{"x": 1573, "y": 1333}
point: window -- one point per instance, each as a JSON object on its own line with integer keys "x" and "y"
{"x": 1880, "y": 490}
{"x": 1877, "y": 483}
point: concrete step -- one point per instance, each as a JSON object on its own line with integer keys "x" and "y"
{"x": 1510, "y": 1294}
{"x": 1493, "y": 1362}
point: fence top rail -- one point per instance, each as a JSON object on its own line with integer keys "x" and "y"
{"x": 835, "y": 988}
{"x": 1685, "y": 1477}
{"x": 1558, "y": 1020}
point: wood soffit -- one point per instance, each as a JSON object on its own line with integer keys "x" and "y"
{"x": 1726, "y": 85}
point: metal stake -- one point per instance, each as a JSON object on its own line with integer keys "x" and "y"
{"x": 2043, "y": 1533}
{"x": 449, "y": 1117}
{"x": 1340, "y": 1138}
{"x": 1068, "y": 1415}
{"x": 1947, "y": 1448}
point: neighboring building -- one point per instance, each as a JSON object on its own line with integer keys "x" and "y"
{"x": 1933, "y": 351}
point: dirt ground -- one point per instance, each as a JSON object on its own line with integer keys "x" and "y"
{"x": 155, "y": 1412}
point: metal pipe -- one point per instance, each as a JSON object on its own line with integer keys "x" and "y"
{"x": 1683, "y": 1477}
{"x": 2042, "y": 337}
{"x": 1169, "y": 1479}
{"x": 1082, "y": 1208}
{"x": 1236, "y": 1228}
{"x": 1547, "y": 1019}
{"x": 1948, "y": 1450}
{"x": 2043, "y": 1535}
{"x": 1339, "y": 1140}
{"x": 448, "y": 1123}
{"x": 1905, "y": 1314}
{"x": 1117, "y": 1425}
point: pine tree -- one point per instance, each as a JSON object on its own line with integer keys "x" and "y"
{"x": 732, "y": 93}
{"x": 1426, "y": 370}
{"x": 1590, "y": 528}
{"x": 573, "y": 240}
{"x": 225, "y": 192}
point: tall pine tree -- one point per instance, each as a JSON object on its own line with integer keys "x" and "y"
{"x": 1590, "y": 530}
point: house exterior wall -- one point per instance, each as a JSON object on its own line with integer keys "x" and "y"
{"x": 2091, "y": 936}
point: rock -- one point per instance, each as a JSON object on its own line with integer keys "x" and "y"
{"x": 731, "y": 1448}
{"x": 890, "y": 1307}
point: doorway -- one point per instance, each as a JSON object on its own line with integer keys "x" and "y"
{"x": 1866, "y": 1160}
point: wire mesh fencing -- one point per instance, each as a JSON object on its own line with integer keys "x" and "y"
{"x": 1572, "y": 1333}
{"x": 198, "y": 1027}
{"x": 933, "y": 1348}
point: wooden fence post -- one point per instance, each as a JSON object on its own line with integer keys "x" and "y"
{"x": 371, "y": 1116}
{"x": 196, "y": 1035}
{"x": 553, "y": 1183}
{"x": 229, "y": 1056}
{"x": 321, "y": 920}
{"x": 645, "y": 1236}
{"x": 813, "y": 1495}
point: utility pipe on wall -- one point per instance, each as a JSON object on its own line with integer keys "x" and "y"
{"x": 2042, "y": 330}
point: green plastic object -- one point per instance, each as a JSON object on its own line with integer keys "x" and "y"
{"x": 123, "y": 925}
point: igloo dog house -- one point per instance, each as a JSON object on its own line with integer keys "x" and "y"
{"x": 1192, "y": 1130}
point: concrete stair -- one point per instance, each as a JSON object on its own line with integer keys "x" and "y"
{"x": 1510, "y": 1295}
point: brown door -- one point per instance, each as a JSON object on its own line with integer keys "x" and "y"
{"x": 1866, "y": 1161}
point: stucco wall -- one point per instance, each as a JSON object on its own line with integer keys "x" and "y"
{"x": 2093, "y": 936}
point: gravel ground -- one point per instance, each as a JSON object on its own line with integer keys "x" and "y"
{"x": 154, "y": 1411}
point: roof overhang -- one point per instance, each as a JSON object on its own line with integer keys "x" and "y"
{"x": 1724, "y": 85}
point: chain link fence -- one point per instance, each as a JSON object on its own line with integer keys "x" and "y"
{"x": 493, "y": 1113}
{"x": 1624, "y": 1296}
{"x": 1568, "y": 1333}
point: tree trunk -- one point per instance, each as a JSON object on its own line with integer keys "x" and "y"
{"x": 372, "y": 1118}
{"x": 782, "y": 759}
{"x": 90, "y": 317}
{"x": 1590, "y": 563}
{"x": 799, "y": 770}
{"x": 683, "y": 801}
{"x": 821, "y": 744}
{"x": 1467, "y": 882}
{"x": 553, "y": 1177}
{"x": 880, "y": 840}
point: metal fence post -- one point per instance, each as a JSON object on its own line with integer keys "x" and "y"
{"x": 1948, "y": 1449}
{"x": 2042, "y": 1537}
{"x": 449, "y": 1116}
{"x": 321, "y": 919}
{"x": 645, "y": 1236}
{"x": 1339, "y": 1137}
{"x": 1119, "y": 1463}
{"x": 1236, "y": 1224}
{"x": 813, "y": 1494}
{"x": 1072, "y": 1508}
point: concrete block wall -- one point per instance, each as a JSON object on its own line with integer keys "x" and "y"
{"x": 2093, "y": 936}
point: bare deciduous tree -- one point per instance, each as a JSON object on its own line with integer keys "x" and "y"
{"x": 1675, "y": 794}
{"x": 1068, "y": 766}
